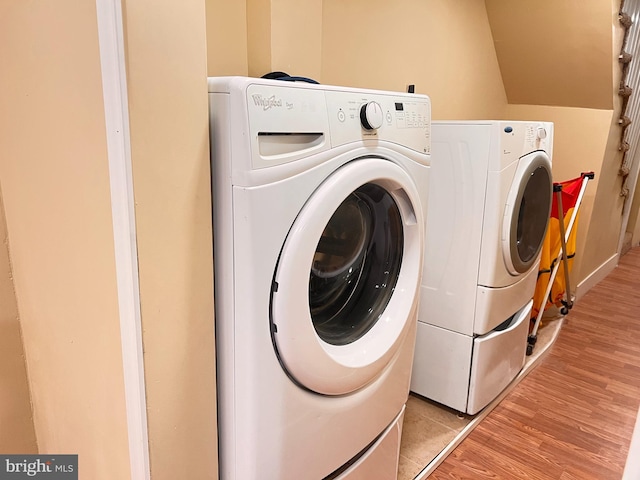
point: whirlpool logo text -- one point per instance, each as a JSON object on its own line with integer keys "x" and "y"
{"x": 266, "y": 102}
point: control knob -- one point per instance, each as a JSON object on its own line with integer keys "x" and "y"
{"x": 371, "y": 116}
{"x": 541, "y": 133}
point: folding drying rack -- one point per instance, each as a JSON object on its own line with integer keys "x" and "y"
{"x": 565, "y": 233}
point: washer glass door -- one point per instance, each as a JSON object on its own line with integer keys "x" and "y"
{"x": 356, "y": 265}
{"x": 530, "y": 209}
{"x": 344, "y": 290}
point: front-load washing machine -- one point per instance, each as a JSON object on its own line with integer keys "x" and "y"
{"x": 489, "y": 204}
{"x": 319, "y": 204}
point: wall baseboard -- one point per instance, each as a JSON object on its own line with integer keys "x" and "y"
{"x": 594, "y": 277}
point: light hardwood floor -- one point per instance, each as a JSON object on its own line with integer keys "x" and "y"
{"x": 573, "y": 416}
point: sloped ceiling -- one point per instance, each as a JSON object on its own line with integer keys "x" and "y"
{"x": 555, "y": 52}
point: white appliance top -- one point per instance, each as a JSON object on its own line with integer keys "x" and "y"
{"x": 286, "y": 121}
{"x": 514, "y": 138}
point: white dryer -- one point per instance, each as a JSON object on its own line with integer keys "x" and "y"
{"x": 319, "y": 238}
{"x": 489, "y": 204}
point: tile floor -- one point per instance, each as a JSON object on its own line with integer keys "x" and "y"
{"x": 428, "y": 428}
{"x": 431, "y": 431}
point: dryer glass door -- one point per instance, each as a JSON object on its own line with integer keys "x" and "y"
{"x": 356, "y": 265}
{"x": 530, "y": 212}
{"x": 344, "y": 293}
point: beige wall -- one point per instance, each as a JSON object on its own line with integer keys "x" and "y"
{"x": 167, "y": 62}
{"x": 258, "y": 22}
{"x": 602, "y": 237}
{"x": 55, "y": 180}
{"x": 585, "y": 139}
{"x": 17, "y": 434}
{"x": 284, "y": 36}
{"x": 445, "y": 48}
{"x": 548, "y": 48}
{"x": 376, "y": 44}
{"x": 226, "y": 37}
{"x": 55, "y": 184}
{"x": 296, "y": 37}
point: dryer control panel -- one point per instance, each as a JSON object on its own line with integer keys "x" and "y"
{"x": 519, "y": 138}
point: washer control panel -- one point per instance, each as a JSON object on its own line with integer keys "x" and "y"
{"x": 401, "y": 119}
{"x": 288, "y": 122}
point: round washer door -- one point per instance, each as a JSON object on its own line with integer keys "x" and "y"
{"x": 527, "y": 212}
{"x": 347, "y": 278}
